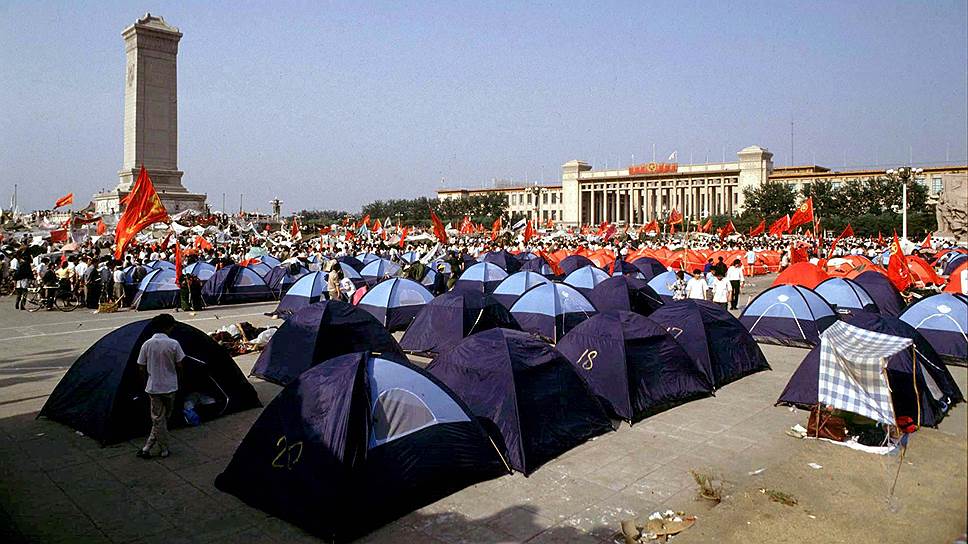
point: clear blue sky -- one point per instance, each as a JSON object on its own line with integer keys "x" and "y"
{"x": 335, "y": 105}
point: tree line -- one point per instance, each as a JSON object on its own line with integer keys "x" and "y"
{"x": 416, "y": 211}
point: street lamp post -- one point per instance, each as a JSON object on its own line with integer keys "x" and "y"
{"x": 536, "y": 191}
{"x": 905, "y": 175}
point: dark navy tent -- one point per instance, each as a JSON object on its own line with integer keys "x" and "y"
{"x": 509, "y": 263}
{"x": 662, "y": 283}
{"x": 283, "y": 276}
{"x": 621, "y": 267}
{"x": 157, "y": 290}
{"x": 534, "y": 263}
{"x": 378, "y": 270}
{"x": 236, "y": 285}
{"x": 634, "y": 366}
{"x": 102, "y": 394}
{"x": 882, "y": 291}
{"x": 395, "y": 302}
{"x": 649, "y": 267}
{"x": 625, "y": 293}
{"x": 843, "y": 293}
{"x": 309, "y": 289}
{"x": 200, "y": 269}
{"x": 551, "y": 309}
{"x": 943, "y": 320}
{"x": 481, "y": 277}
{"x": 586, "y": 278}
{"x": 450, "y": 317}
{"x": 319, "y": 332}
{"x": 719, "y": 344}
{"x": 788, "y": 315}
{"x": 573, "y": 262}
{"x": 261, "y": 268}
{"x": 355, "y": 443}
{"x": 534, "y": 403}
{"x": 508, "y": 291}
{"x": 937, "y": 391}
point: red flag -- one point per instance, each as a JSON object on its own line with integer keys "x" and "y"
{"x": 529, "y": 232}
{"x": 403, "y": 236}
{"x": 926, "y": 244}
{"x": 64, "y": 200}
{"x": 880, "y": 238}
{"x": 759, "y": 229}
{"x": 366, "y": 220}
{"x": 781, "y": 225}
{"x": 675, "y": 218}
{"x": 466, "y": 227}
{"x": 798, "y": 253}
{"x": 202, "y": 243}
{"x": 707, "y": 226}
{"x": 849, "y": 231}
{"x": 178, "y": 262}
{"x": 602, "y": 228}
{"x": 727, "y": 229}
{"x": 377, "y": 226}
{"x": 325, "y": 230}
{"x": 294, "y": 228}
{"x": 164, "y": 243}
{"x": 101, "y": 227}
{"x": 439, "y": 231}
{"x": 653, "y": 226}
{"x": 144, "y": 208}
{"x": 803, "y": 215}
{"x": 496, "y": 228}
{"x": 609, "y": 232}
{"x": 897, "y": 266}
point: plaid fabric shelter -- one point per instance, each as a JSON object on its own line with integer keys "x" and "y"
{"x": 853, "y": 374}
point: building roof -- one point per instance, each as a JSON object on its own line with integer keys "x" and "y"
{"x": 794, "y": 172}
{"x": 496, "y": 189}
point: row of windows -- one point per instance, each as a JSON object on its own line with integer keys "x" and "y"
{"x": 520, "y": 198}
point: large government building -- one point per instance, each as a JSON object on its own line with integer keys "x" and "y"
{"x": 641, "y": 193}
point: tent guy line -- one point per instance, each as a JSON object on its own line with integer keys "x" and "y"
{"x": 45, "y": 334}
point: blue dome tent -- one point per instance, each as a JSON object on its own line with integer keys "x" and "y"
{"x": 625, "y": 293}
{"x": 512, "y": 287}
{"x": 308, "y": 289}
{"x": 451, "y": 317}
{"x": 236, "y": 285}
{"x": 621, "y": 267}
{"x": 410, "y": 257}
{"x": 102, "y": 394}
{"x": 200, "y": 269}
{"x": 352, "y": 261}
{"x": 722, "y": 348}
{"x": 317, "y": 333}
{"x": 649, "y": 267}
{"x": 156, "y": 291}
{"x": 586, "y": 278}
{"x": 943, "y": 321}
{"x": 882, "y": 291}
{"x": 481, "y": 277}
{"x": 573, "y": 262}
{"x": 395, "y": 302}
{"x": 269, "y": 260}
{"x": 788, "y": 315}
{"x": 260, "y": 268}
{"x": 661, "y": 284}
{"x": 508, "y": 262}
{"x": 954, "y": 263}
{"x": 847, "y": 294}
{"x": 161, "y": 265}
{"x": 551, "y": 310}
{"x": 355, "y": 443}
{"x": 367, "y": 258}
{"x": 283, "y": 276}
{"x": 633, "y": 365}
{"x": 377, "y": 270}
{"x": 533, "y": 402}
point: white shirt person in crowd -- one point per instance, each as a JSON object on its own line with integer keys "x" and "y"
{"x": 160, "y": 360}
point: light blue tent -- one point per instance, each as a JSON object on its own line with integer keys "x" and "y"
{"x": 308, "y": 289}
{"x": 438, "y": 263}
{"x": 586, "y": 278}
{"x": 395, "y": 302}
{"x": 788, "y": 315}
{"x": 160, "y": 265}
{"x": 261, "y": 268}
{"x": 200, "y": 269}
{"x": 410, "y": 257}
{"x": 551, "y": 310}
{"x": 942, "y": 320}
{"x": 508, "y": 291}
{"x": 157, "y": 290}
{"x": 379, "y": 269}
{"x": 270, "y": 260}
{"x": 367, "y": 258}
{"x": 661, "y": 284}
{"x": 847, "y": 294}
{"x": 482, "y": 277}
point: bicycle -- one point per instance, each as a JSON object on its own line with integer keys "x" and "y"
{"x": 65, "y": 300}
{"x": 7, "y": 286}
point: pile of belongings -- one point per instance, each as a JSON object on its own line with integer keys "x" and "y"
{"x": 661, "y": 526}
{"x": 242, "y": 338}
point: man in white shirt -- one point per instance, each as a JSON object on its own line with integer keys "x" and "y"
{"x": 750, "y": 260}
{"x": 696, "y": 286}
{"x": 160, "y": 360}
{"x": 721, "y": 289}
{"x": 735, "y": 277}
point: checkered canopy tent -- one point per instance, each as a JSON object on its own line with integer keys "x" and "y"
{"x": 853, "y": 370}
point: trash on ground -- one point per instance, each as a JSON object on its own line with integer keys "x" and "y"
{"x": 756, "y": 472}
{"x": 797, "y": 431}
{"x": 779, "y": 496}
{"x": 815, "y": 466}
{"x": 241, "y": 338}
{"x": 660, "y": 526}
{"x": 710, "y": 488}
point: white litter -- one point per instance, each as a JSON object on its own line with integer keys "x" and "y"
{"x": 264, "y": 337}
{"x": 815, "y": 466}
{"x": 757, "y": 471}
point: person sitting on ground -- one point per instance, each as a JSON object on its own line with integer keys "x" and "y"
{"x": 160, "y": 360}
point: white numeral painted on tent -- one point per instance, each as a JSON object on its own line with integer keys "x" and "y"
{"x": 587, "y": 359}
{"x": 286, "y": 450}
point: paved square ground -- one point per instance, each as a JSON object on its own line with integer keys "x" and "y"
{"x": 58, "y": 486}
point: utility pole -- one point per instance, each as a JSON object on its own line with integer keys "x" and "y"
{"x": 240, "y": 204}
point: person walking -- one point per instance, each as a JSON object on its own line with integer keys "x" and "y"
{"x": 736, "y": 279}
{"x": 721, "y": 290}
{"x": 332, "y": 280}
{"x": 160, "y": 360}
{"x": 696, "y": 286}
{"x": 22, "y": 274}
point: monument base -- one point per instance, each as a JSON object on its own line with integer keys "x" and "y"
{"x": 109, "y": 203}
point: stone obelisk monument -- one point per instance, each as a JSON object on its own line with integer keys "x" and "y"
{"x": 151, "y": 117}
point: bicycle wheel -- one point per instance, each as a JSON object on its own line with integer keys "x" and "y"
{"x": 34, "y": 301}
{"x": 67, "y": 302}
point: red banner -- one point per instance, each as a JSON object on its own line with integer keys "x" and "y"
{"x": 653, "y": 168}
